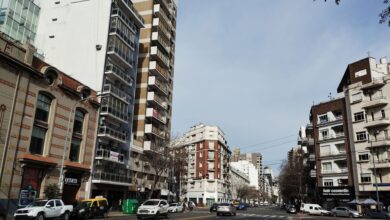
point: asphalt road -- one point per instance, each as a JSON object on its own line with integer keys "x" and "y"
{"x": 271, "y": 213}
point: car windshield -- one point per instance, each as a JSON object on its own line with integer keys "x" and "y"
{"x": 224, "y": 204}
{"x": 86, "y": 204}
{"x": 173, "y": 204}
{"x": 151, "y": 202}
{"x": 37, "y": 203}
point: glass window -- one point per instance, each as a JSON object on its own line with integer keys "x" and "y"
{"x": 323, "y": 118}
{"x": 365, "y": 178}
{"x": 359, "y": 116}
{"x": 37, "y": 140}
{"x": 74, "y": 150}
{"x": 43, "y": 108}
{"x": 78, "y": 122}
{"x": 363, "y": 157}
{"x": 328, "y": 182}
{"x": 58, "y": 203}
{"x": 361, "y": 136}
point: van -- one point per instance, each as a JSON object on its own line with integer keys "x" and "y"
{"x": 313, "y": 209}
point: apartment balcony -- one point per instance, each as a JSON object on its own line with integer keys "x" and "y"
{"x": 107, "y": 110}
{"x": 312, "y": 157}
{"x": 161, "y": 41}
{"x": 159, "y": 11}
{"x": 103, "y": 154}
{"x": 385, "y": 121}
{"x": 131, "y": 11}
{"x": 157, "y": 100}
{"x": 335, "y": 171}
{"x": 157, "y": 70}
{"x": 119, "y": 54}
{"x": 309, "y": 126}
{"x": 337, "y": 136}
{"x": 375, "y": 102}
{"x": 155, "y": 114}
{"x": 310, "y": 142}
{"x": 375, "y": 83}
{"x": 164, "y": 3}
{"x": 116, "y": 92}
{"x": 380, "y": 164}
{"x": 335, "y": 120}
{"x": 313, "y": 173}
{"x": 160, "y": 25}
{"x": 380, "y": 142}
{"x": 150, "y": 129}
{"x": 158, "y": 85}
{"x": 111, "y": 179}
{"x": 116, "y": 73}
{"x": 156, "y": 54}
{"x": 111, "y": 133}
{"x": 338, "y": 154}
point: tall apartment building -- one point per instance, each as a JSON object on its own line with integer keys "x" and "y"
{"x": 19, "y": 19}
{"x": 48, "y": 126}
{"x": 208, "y": 178}
{"x": 334, "y": 174}
{"x": 98, "y": 42}
{"x": 153, "y": 98}
{"x": 366, "y": 85}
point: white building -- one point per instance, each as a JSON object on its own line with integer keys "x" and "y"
{"x": 207, "y": 177}
{"x": 248, "y": 169}
{"x": 239, "y": 180}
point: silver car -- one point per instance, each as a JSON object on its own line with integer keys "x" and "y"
{"x": 226, "y": 208}
{"x": 346, "y": 212}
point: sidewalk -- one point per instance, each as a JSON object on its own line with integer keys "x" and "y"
{"x": 118, "y": 214}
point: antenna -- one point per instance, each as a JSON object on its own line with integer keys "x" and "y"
{"x": 330, "y": 96}
{"x": 368, "y": 54}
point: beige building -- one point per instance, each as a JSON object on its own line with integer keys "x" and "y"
{"x": 366, "y": 85}
{"x": 42, "y": 112}
{"x": 239, "y": 180}
{"x": 153, "y": 98}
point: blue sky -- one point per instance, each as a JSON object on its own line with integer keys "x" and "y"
{"x": 255, "y": 67}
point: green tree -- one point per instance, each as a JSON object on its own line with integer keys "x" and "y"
{"x": 52, "y": 191}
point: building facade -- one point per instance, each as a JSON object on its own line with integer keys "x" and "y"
{"x": 48, "y": 129}
{"x": 98, "y": 41}
{"x": 208, "y": 174}
{"x": 19, "y": 19}
{"x": 238, "y": 181}
{"x": 366, "y": 85}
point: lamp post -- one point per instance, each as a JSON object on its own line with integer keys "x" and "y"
{"x": 61, "y": 178}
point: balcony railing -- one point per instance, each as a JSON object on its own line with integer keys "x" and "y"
{"x": 370, "y": 123}
{"x": 332, "y": 153}
{"x": 159, "y": 25}
{"x": 380, "y": 142}
{"x": 157, "y": 54}
{"x": 111, "y": 69}
{"x": 150, "y": 129}
{"x": 334, "y": 171}
{"x": 381, "y": 164}
{"x": 334, "y": 136}
{"x": 375, "y": 102}
{"x": 112, "y": 112}
{"x": 151, "y": 112}
{"x": 105, "y": 131}
{"x": 157, "y": 70}
{"x": 109, "y": 155}
{"x": 152, "y": 96}
{"x": 335, "y": 119}
{"x": 111, "y": 178}
{"x": 158, "y": 84}
{"x": 129, "y": 4}
{"x": 113, "y": 90}
{"x": 156, "y": 36}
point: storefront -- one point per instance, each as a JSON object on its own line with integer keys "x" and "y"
{"x": 72, "y": 183}
{"x": 331, "y": 197}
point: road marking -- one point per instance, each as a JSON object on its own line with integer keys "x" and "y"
{"x": 199, "y": 217}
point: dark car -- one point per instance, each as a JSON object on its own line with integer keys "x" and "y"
{"x": 291, "y": 209}
{"x": 3, "y": 213}
{"x": 378, "y": 214}
{"x": 241, "y": 206}
{"x": 81, "y": 210}
{"x": 213, "y": 207}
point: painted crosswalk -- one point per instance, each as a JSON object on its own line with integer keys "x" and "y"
{"x": 264, "y": 216}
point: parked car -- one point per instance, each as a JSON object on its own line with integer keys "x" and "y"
{"x": 98, "y": 206}
{"x": 81, "y": 210}
{"x": 314, "y": 209}
{"x": 241, "y": 206}
{"x": 291, "y": 209}
{"x": 345, "y": 211}
{"x": 176, "y": 207}
{"x": 378, "y": 214}
{"x": 213, "y": 207}
{"x": 153, "y": 208}
{"x": 226, "y": 208}
{"x": 3, "y": 213}
{"x": 42, "y": 209}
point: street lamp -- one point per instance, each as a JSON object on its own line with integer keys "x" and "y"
{"x": 61, "y": 178}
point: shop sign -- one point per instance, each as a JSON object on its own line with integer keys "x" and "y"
{"x": 27, "y": 196}
{"x": 345, "y": 191}
{"x": 71, "y": 181}
{"x": 114, "y": 156}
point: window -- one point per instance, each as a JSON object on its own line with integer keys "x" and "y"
{"x": 383, "y": 114}
{"x": 323, "y": 118}
{"x": 357, "y": 97}
{"x": 328, "y": 182}
{"x": 364, "y": 157}
{"x": 42, "y": 112}
{"x": 361, "y": 136}
{"x": 365, "y": 178}
{"x": 51, "y": 203}
{"x": 77, "y": 135}
{"x": 359, "y": 116}
{"x": 324, "y": 134}
{"x": 327, "y": 166}
{"x": 58, "y": 203}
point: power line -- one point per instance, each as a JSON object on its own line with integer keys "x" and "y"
{"x": 268, "y": 141}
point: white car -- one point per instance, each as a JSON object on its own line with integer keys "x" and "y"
{"x": 176, "y": 207}
{"x": 226, "y": 208}
{"x": 41, "y": 209}
{"x": 153, "y": 208}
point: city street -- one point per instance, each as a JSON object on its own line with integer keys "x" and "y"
{"x": 251, "y": 213}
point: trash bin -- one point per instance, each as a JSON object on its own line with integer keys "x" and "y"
{"x": 130, "y": 206}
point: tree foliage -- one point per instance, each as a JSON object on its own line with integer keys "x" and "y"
{"x": 384, "y": 16}
{"x": 52, "y": 191}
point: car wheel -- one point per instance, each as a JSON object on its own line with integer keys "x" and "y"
{"x": 350, "y": 215}
{"x": 139, "y": 217}
{"x": 218, "y": 213}
{"x": 40, "y": 216}
{"x": 334, "y": 215}
{"x": 66, "y": 216}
